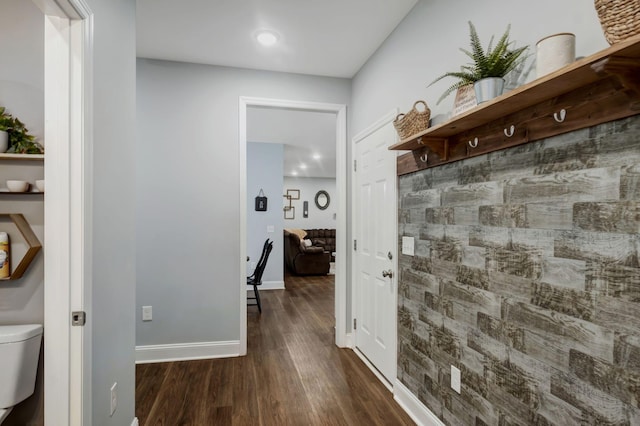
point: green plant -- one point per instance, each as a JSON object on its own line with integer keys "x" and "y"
{"x": 20, "y": 141}
{"x": 494, "y": 62}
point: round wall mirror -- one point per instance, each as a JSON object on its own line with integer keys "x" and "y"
{"x": 322, "y": 200}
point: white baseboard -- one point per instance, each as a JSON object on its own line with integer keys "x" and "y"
{"x": 348, "y": 340}
{"x": 135, "y": 422}
{"x": 186, "y": 351}
{"x": 418, "y": 412}
{"x": 268, "y": 285}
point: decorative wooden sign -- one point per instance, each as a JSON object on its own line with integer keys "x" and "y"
{"x": 465, "y": 100}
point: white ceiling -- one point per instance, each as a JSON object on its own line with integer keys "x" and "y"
{"x": 303, "y": 134}
{"x": 318, "y": 37}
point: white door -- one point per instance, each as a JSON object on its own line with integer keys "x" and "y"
{"x": 67, "y": 215}
{"x": 375, "y": 224}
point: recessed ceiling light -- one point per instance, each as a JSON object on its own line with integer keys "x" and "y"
{"x": 316, "y": 156}
{"x": 303, "y": 166}
{"x": 294, "y": 173}
{"x": 267, "y": 38}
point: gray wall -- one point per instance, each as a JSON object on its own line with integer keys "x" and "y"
{"x": 308, "y": 188}
{"x": 264, "y": 171}
{"x": 111, "y": 317}
{"x": 188, "y": 192}
{"x": 22, "y": 93}
{"x": 426, "y": 44}
{"x": 526, "y": 277}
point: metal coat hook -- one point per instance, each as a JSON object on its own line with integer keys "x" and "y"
{"x": 474, "y": 143}
{"x": 419, "y": 140}
{"x": 510, "y": 132}
{"x": 424, "y": 158}
{"x": 560, "y": 118}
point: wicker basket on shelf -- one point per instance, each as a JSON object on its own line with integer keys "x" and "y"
{"x": 413, "y": 121}
{"x": 620, "y": 19}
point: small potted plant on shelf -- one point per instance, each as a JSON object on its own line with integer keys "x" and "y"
{"x": 5, "y": 123}
{"x": 18, "y": 139}
{"x": 488, "y": 68}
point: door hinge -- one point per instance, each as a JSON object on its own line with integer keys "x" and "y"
{"x": 78, "y": 318}
{"x": 355, "y": 165}
{"x": 355, "y": 245}
{"x": 354, "y": 324}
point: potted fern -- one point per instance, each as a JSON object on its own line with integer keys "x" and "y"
{"x": 488, "y": 68}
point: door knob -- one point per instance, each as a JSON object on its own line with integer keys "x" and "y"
{"x": 388, "y": 273}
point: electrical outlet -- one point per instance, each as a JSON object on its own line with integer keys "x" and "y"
{"x": 147, "y": 313}
{"x": 114, "y": 399}
{"x": 455, "y": 379}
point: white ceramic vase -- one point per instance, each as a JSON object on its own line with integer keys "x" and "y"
{"x": 4, "y": 141}
{"x": 554, "y": 52}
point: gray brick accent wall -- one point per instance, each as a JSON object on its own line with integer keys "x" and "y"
{"x": 527, "y": 278}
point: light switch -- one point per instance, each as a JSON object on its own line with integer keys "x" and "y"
{"x": 147, "y": 313}
{"x": 455, "y": 379}
{"x": 270, "y": 229}
{"x": 408, "y": 246}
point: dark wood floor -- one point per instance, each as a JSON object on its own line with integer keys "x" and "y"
{"x": 293, "y": 373}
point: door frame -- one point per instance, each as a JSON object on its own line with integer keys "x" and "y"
{"x": 341, "y": 189}
{"x": 68, "y": 30}
{"x": 376, "y": 125}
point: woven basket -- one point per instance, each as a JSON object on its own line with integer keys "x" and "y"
{"x": 620, "y": 19}
{"x": 413, "y": 121}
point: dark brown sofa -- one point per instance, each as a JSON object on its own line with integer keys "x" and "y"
{"x": 302, "y": 259}
{"x": 325, "y": 238}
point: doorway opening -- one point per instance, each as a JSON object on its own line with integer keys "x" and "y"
{"x": 339, "y": 111}
{"x": 68, "y": 28}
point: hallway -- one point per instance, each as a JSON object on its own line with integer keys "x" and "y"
{"x": 293, "y": 373}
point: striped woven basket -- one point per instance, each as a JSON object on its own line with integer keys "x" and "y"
{"x": 413, "y": 121}
{"x": 620, "y": 19}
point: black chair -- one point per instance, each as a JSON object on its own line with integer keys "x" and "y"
{"x": 256, "y": 278}
{"x": 264, "y": 250}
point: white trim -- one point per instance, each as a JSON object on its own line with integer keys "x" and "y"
{"x": 418, "y": 412}
{"x": 268, "y": 285}
{"x": 135, "y": 422}
{"x": 68, "y": 27}
{"x": 186, "y": 351}
{"x": 348, "y": 340}
{"x": 242, "y": 148}
{"x": 81, "y": 161}
{"x": 57, "y": 336}
{"x": 341, "y": 195}
{"x": 341, "y": 229}
{"x": 374, "y": 370}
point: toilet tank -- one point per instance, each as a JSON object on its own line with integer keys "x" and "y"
{"x": 19, "y": 353}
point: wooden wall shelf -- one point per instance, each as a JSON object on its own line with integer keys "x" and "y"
{"x": 22, "y": 157}
{"x": 600, "y": 88}
{"x": 32, "y": 242}
{"x": 5, "y": 191}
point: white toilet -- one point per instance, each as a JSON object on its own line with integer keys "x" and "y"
{"x": 19, "y": 353}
